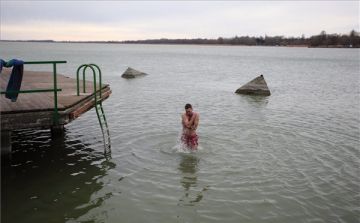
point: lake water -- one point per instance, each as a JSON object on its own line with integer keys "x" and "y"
{"x": 291, "y": 157}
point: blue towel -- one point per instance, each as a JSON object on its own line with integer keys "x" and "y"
{"x": 16, "y": 76}
{"x": 2, "y": 62}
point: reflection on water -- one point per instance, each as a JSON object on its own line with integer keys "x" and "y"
{"x": 290, "y": 157}
{"x": 189, "y": 166}
{"x": 255, "y": 100}
{"x": 52, "y": 177}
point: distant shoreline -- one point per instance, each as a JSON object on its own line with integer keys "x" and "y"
{"x": 323, "y": 40}
{"x": 177, "y": 44}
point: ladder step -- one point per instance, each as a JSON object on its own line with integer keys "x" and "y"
{"x": 106, "y": 136}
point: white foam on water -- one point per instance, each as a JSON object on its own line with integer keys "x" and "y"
{"x": 181, "y": 147}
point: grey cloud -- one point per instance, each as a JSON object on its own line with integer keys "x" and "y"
{"x": 203, "y": 19}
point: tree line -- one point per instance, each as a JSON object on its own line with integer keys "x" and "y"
{"x": 352, "y": 39}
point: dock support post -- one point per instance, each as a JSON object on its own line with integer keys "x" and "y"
{"x": 5, "y": 142}
{"x": 57, "y": 129}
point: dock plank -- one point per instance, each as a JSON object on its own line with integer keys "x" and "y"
{"x": 25, "y": 102}
{"x": 35, "y": 80}
{"x": 33, "y": 110}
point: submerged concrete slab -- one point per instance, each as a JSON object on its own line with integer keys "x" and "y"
{"x": 132, "y": 73}
{"x": 257, "y": 86}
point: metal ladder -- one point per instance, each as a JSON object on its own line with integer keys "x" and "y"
{"x": 103, "y": 124}
{"x": 97, "y": 104}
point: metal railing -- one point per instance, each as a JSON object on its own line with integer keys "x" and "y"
{"x": 55, "y": 90}
{"x": 85, "y": 66}
{"x": 97, "y": 101}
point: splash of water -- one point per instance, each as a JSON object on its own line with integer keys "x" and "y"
{"x": 182, "y": 147}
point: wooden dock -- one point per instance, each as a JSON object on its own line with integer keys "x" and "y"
{"x": 33, "y": 110}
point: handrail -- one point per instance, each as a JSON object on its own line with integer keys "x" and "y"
{"x": 55, "y": 90}
{"x": 100, "y": 78}
{"x": 44, "y": 62}
{"x": 97, "y": 104}
{"x": 85, "y": 66}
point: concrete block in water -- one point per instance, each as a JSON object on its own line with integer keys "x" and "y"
{"x": 132, "y": 73}
{"x": 257, "y": 86}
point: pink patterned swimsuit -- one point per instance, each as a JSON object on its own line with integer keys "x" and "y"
{"x": 189, "y": 140}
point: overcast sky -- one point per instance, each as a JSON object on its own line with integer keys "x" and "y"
{"x": 125, "y": 20}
